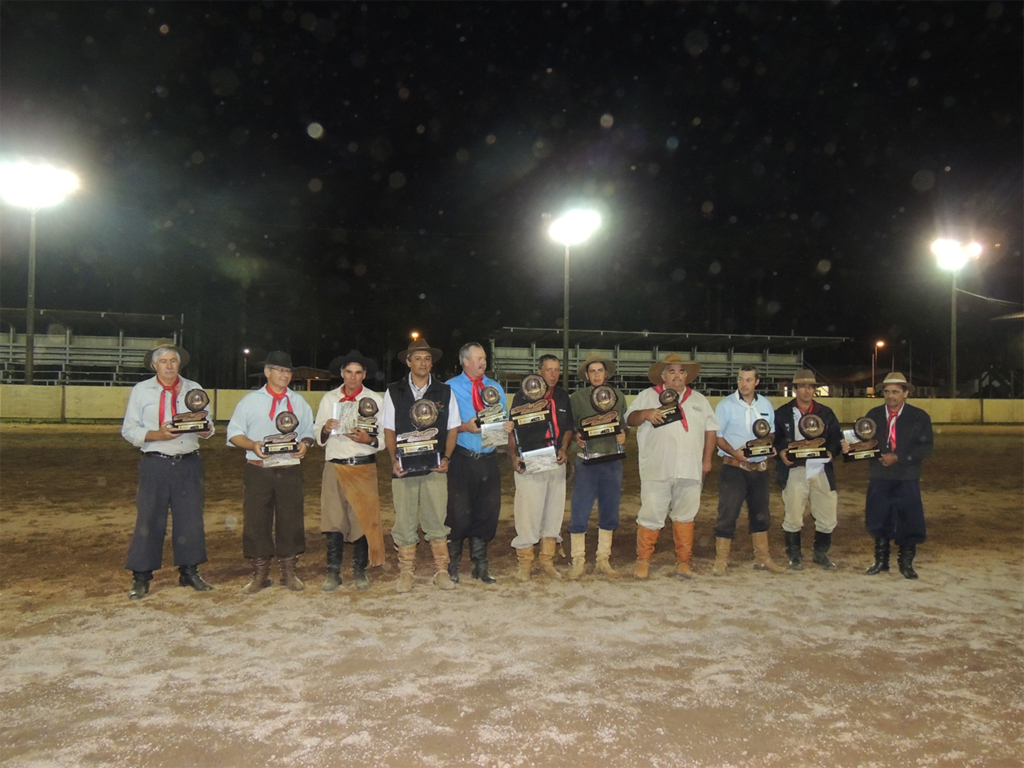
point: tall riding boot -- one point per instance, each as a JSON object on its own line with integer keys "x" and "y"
{"x": 722, "y": 549}
{"x": 604, "y": 551}
{"x": 906, "y": 560}
{"x": 881, "y": 557}
{"x": 140, "y": 584}
{"x": 548, "y": 547}
{"x": 260, "y": 576}
{"x": 579, "y": 555}
{"x": 406, "y": 568}
{"x": 333, "y": 578}
{"x": 288, "y": 577}
{"x": 822, "y": 544}
{"x": 682, "y": 533}
{"x": 360, "y": 559}
{"x": 793, "y": 550}
{"x": 454, "y": 558}
{"x": 762, "y": 559}
{"x": 525, "y": 557}
{"x": 646, "y": 538}
{"x": 188, "y": 576}
{"x": 481, "y": 566}
{"x": 441, "y": 578}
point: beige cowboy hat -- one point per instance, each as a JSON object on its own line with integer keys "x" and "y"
{"x": 897, "y": 378}
{"x": 804, "y": 376}
{"x": 654, "y": 372}
{"x": 147, "y": 361}
{"x": 417, "y": 346}
{"x": 597, "y": 357}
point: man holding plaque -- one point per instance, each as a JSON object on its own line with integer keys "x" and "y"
{"x": 541, "y": 425}
{"x": 420, "y": 488}
{"x": 474, "y": 482}
{"x": 676, "y": 439}
{"x": 804, "y": 470}
{"x": 273, "y": 492}
{"x": 746, "y": 423}
{"x": 170, "y": 473}
{"x": 346, "y": 425}
{"x": 893, "y": 508}
{"x": 600, "y": 476}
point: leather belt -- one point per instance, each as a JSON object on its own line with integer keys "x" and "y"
{"x": 170, "y": 457}
{"x": 749, "y": 466}
{"x": 472, "y": 454}
{"x": 356, "y": 460}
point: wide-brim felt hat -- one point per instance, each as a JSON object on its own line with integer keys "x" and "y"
{"x": 597, "y": 357}
{"x": 654, "y": 372}
{"x": 279, "y": 359}
{"x": 897, "y": 378}
{"x": 354, "y": 356}
{"x": 147, "y": 361}
{"x": 805, "y": 376}
{"x": 417, "y": 346}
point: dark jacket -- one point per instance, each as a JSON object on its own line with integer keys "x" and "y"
{"x": 438, "y": 393}
{"x": 785, "y": 433}
{"x": 914, "y": 443}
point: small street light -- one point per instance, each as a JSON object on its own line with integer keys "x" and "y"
{"x": 571, "y": 228}
{"x": 874, "y": 361}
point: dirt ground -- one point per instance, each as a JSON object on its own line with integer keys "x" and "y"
{"x": 799, "y": 669}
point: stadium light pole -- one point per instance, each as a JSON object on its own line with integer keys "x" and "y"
{"x": 33, "y": 186}
{"x": 953, "y": 255}
{"x": 571, "y": 228}
{"x": 874, "y": 361}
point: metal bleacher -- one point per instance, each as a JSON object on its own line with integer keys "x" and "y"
{"x": 515, "y": 352}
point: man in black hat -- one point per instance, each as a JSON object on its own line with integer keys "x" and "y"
{"x": 273, "y": 500}
{"x": 349, "y": 504}
{"x": 170, "y": 473}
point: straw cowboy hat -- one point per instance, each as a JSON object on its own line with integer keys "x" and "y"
{"x": 597, "y": 357}
{"x": 804, "y": 376}
{"x": 654, "y": 372}
{"x": 147, "y": 361}
{"x": 417, "y": 346}
{"x": 898, "y": 378}
{"x": 354, "y": 356}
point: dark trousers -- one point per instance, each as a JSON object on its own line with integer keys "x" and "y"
{"x": 167, "y": 484}
{"x": 474, "y": 497}
{"x": 595, "y": 482}
{"x": 735, "y": 486}
{"x": 893, "y": 510}
{"x": 272, "y": 512}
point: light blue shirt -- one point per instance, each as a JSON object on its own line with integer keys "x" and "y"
{"x": 735, "y": 420}
{"x": 462, "y": 389}
{"x": 252, "y": 417}
{"x": 143, "y": 414}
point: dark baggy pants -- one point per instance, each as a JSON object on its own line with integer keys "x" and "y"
{"x": 735, "y": 486}
{"x": 272, "y": 512}
{"x": 893, "y": 511}
{"x": 474, "y": 497}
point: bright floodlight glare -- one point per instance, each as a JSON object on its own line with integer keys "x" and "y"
{"x": 952, "y": 255}
{"x": 574, "y": 227}
{"x": 879, "y": 343}
{"x": 35, "y": 186}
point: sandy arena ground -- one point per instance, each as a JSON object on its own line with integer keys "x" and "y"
{"x": 800, "y": 669}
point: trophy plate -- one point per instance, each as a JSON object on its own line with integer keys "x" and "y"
{"x": 287, "y": 439}
{"x": 761, "y": 445}
{"x": 533, "y": 427}
{"x": 861, "y": 438}
{"x": 803, "y": 454}
{"x": 669, "y": 407}
{"x": 812, "y": 428}
{"x": 192, "y": 425}
{"x": 418, "y": 457}
{"x": 604, "y": 424}
{"x": 195, "y": 420}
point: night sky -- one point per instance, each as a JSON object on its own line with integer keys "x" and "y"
{"x": 321, "y": 176}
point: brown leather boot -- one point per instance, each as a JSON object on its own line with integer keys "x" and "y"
{"x": 548, "y": 547}
{"x": 525, "y": 556}
{"x": 722, "y": 549}
{"x": 260, "y": 576}
{"x": 406, "y": 568}
{"x": 579, "y": 556}
{"x": 604, "y": 551}
{"x": 683, "y": 535}
{"x": 645, "y": 541}
{"x": 288, "y": 577}
{"x": 441, "y": 578}
{"x": 762, "y": 560}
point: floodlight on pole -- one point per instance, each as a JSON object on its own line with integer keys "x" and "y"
{"x": 874, "y": 361}
{"x": 571, "y": 228}
{"x": 952, "y": 255}
{"x": 31, "y": 186}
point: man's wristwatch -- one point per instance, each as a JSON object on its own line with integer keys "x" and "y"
{"x": 446, "y": 458}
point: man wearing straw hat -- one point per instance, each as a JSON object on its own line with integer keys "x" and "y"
{"x": 170, "y": 473}
{"x": 813, "y": 481}
{"x": 599, "y": 481}
{"x": 893, "y": 508}
{"x": 675, "y": 457}
{"x": 349, "y": 504}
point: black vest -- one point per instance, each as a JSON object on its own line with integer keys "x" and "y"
{"x": 438, "y": 392}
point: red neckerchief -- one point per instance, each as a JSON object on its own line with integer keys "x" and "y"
{"x": 174, "y": 396}
{"x": 350, "y": 398}
{"x": 278, "y": 399}
{"x": 661, "y": 388}
{"x": 890, "y": 418}
{"x": 477, "y": 391}
{"x": 802, "y": 411}
{"x": 550, "y": 396}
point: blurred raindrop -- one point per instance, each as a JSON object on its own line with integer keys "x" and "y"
{"x": 607, "y": 121}
{"x": 824, "y": 266}
{"x": 315, "y": 130}
{"x": 715, "y": 268}
{"x": 922, "y": 181}
{"x": 315, "y": 185}
{"x": 396, "y": 180}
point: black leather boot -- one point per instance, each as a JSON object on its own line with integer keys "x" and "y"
{"x": 188, "y": 576}
{"x": 140, "y": 584}
{"x": 881, "y": 557}
{"x": 454, "y": 556}
{"x": 333, "y": 579}
{"x": 478, "y": 554}
{"x": 906, "y": 560}
{"x": 822, "y": 544}
{"x": 793, "y": 550}
{"x": 360, "y": 559}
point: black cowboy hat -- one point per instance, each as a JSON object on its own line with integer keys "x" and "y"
{"x": 279, "y": 359}
{"x": 354, "y": 356}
